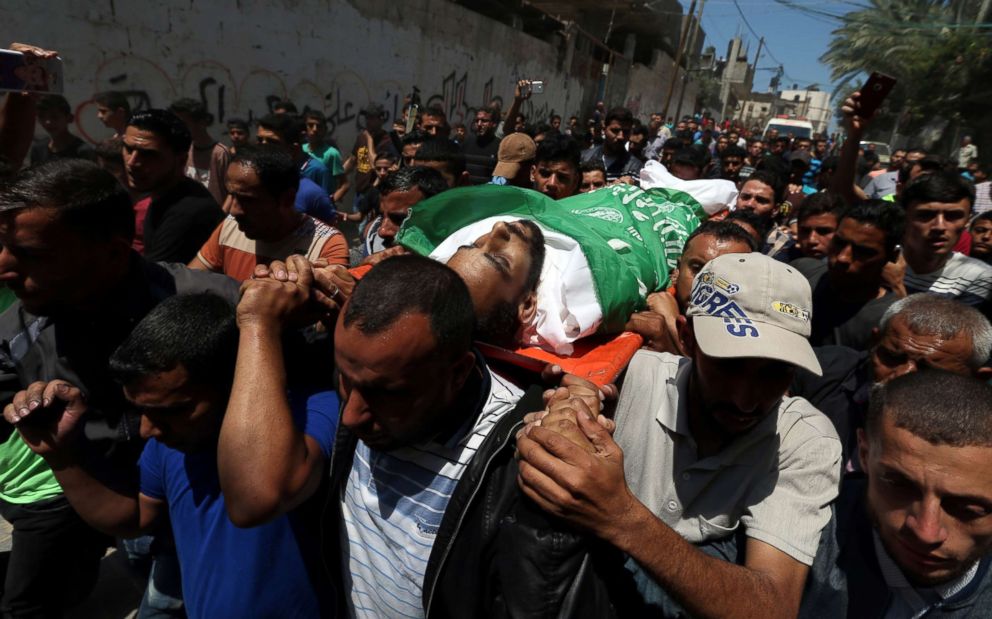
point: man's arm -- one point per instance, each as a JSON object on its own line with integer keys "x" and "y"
{"x": 344, "y": 184}
{"x": 17, "y": 117}
{"x": 47, "y": 416}
{"x": 589, "y": 490}
{"x": 521, "y": 93}
{"x": 285, "y": 464}
{"x": 842, "y": 182}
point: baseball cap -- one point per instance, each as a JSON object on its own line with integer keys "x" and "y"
{"x": 374, "y": 109}
{"x": 751, "y": 305}
{"x": 514, "y": 149}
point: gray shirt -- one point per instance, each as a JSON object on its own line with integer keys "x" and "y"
{"x": 777, "y": 480}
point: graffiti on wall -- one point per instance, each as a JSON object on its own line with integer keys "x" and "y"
{"x": 341, "y": 97}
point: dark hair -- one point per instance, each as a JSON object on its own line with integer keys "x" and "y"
{"x": 886, "y": 216}
{"x": 274, "y": 166}
{"x": 770, "y": 178}
{"x": 829, "y": 163}
{"x": 983, "y": 216}
{"x": 54, "y": 103}
{"x": 940, "y": 407}
{"x": 638, "y": 130}
{"x": 723, "y": 231}
{"x": 673, "y": 143}
{"x": 113, "y": 100}
{"x": 540, "y": 128}
{"x": 288, "y": 127}
{"x": 554, "y": 116}
{"x": 762, "y": 225}
{"x": 436, "y": 112}
{"x": 240, "y": 123}
{"x": 943, "y": 187}
{"x": 929, "y": 163}
{"x": 558, "y": 147}
{"x": 165, "y": 125}
{"x": 695, "y": 155}
{"x": 427, "y": 287}
{"x": 592, "y": 166}
{"x": 196, "y": 110}
{"x": 286, "y": 106}
{"x": 820, "y": 203}
{"x": 733, "y": 150}
{"x": 491, "y": 111}
{"x": 620, "y": 114}
{"x": 110, "y": 150}
{"x": 537, "y": 251}
{"x": 445, "y": 151}
{"x": 415, "y": 137}
{"x": 428, "y": 180}
{"x": 315, "y": 115}
{"x": 89, "y": 200}
{"x": 197, "y": 331}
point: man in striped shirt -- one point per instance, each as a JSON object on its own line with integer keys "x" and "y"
{"x": 938, "y": 206}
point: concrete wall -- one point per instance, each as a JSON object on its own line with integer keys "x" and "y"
{"x": 240, "y": 56}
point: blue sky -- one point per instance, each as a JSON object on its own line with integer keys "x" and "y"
{"x": 793, "y": 37}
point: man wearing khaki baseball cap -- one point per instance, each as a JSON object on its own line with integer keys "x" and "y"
{"x": 514, "y": 161}
{"x": 714, "y": 484}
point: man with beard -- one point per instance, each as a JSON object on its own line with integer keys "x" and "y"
{"x": 849, "y": 297}
{"x": 262, "y": 223}
{"x": 914, "y": 538}
{"x": 502, "y": 270}
{"x": 612, "y": 153}
{"x": 707, "y": 450}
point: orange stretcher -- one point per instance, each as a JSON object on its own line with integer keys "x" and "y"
{"x": 598, "y": 358}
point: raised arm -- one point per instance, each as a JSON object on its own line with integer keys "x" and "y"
{"x": 47, "y": 416}
{"x": 285, "y": 464}
{"x": 842, "y": 182}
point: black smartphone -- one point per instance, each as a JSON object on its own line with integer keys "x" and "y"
{"x": 874, "y": 92}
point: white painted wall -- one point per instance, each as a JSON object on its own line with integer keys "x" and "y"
{"x": 332, "y": 55}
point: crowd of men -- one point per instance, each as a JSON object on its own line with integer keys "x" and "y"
{"x": 191, "y": 366}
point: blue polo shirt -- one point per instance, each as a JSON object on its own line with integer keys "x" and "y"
{"x": 315, "y": 202}
{"x": 273, "y": 570}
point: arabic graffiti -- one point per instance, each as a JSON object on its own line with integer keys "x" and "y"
{"x": 340, "y": 96}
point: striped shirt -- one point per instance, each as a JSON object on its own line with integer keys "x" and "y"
{"x": 392, "y": 507}
{"x": 230, "y": 252}
{"x": 963, "y": 278}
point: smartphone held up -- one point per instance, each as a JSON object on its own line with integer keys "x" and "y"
{"x": 26, "y": 73}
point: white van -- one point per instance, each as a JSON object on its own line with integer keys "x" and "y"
{"x": 786, "y": 126}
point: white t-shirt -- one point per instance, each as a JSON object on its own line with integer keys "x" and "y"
{"x": 392, "y": 508}
{"x": 966, "y": 279}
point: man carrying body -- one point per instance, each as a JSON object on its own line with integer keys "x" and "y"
{"x": 262, "y": 223}
{"x": 425, "y": 436}
{"x": 65, "y": 231}
{"x": 914, "y": 538}
{"x": 179, "y": 214}
{"x": 593, "y": 176}
{"x": 706, "y": 446}
{"x": 849, "y": 297}
{"x": 612, "y": 153}
{"x": 937, "y": 207}
{"x": 398, "y": 192}
{"x": 177, "y": 368}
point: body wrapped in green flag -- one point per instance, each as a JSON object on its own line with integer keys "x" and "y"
{"x": 606, "y": 250}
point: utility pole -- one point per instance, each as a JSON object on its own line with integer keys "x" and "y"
{"x": 757, "y": 55}
{"x": 688, "y": 64}
{"x": 683, "y": 40}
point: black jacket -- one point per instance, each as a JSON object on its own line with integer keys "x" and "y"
{"x": 846, "y": 580}
{"x": 496, "y": 554}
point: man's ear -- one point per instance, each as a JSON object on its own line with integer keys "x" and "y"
{"x": 673, "y": 276}
{"x": 533, "y": 176}
{"x": 527, "y": 309}
{"x": 464, "y": 180}
{"x": 461, "y": 369}
{"x": 687, "y": 338}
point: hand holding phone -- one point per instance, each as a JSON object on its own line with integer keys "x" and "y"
{"x": 30, "y": 71}
{"x": 873, "y": 93}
